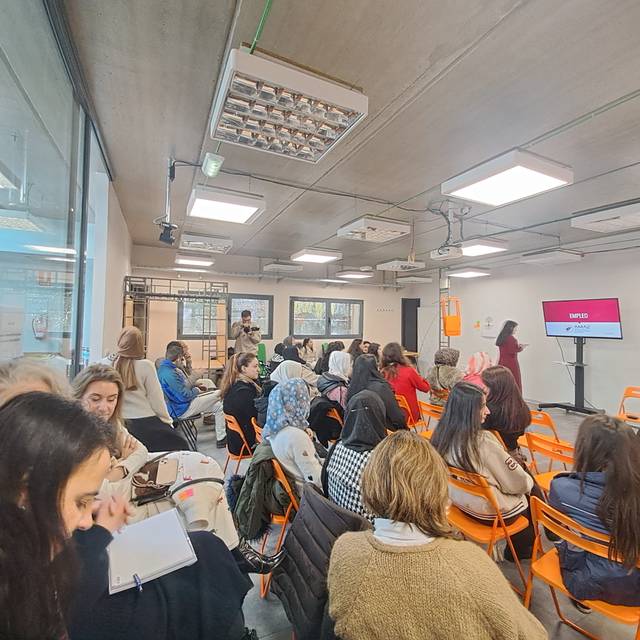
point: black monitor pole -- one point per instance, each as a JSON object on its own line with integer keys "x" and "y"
{"x": 578, "y": 405}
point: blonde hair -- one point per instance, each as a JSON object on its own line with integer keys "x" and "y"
{"x": 405, "y": 480}
{"x": 130, "y": 348}
{"x": 100, "y": 373}
{"x": 24, "y": 374}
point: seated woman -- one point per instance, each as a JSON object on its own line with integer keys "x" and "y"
{"x": 286, "y": 430}
{"x": 602, "y": 493}
{"x": 509, "y": 413}
{"x": 366, "y": 376}
{"x": 53, "y": 460}
{"x": 402, "y": 377}
{"x": 443, "y": 375}
{"x": 143, "y": 405}
{"x": 308, "y": 353}
{"x": 322, "y": 365}
{"x": 364, "y": 428}
{"x": 204, "y": 507}
{"x": 450, "y": 588}
{"x": 238, "y": 390}
{"x": 334, "y": 383}
{"x": 374, "y": 350}
{"x": 477, "y": 364}
{"x": 276, "y": 358}
{"x": 291, "y": 368}
{"x": 462, "y": 442}
{"x": 355, "y": 349}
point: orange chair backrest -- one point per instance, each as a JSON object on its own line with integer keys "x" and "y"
{"x": 431, "y": 410}
{"x": 558, "y": 451}
{"x": 568, "y": 529}
{"x": 232, "y": 425}
{"x": 404, "y": 405}
{"x": 284, "y": 481}
{"x": 543, "y": 419}
{"x": 258, "y": 429}
{"x": 629, "y": 392}
{"x": 334, "y": 415}
{"x": 473, "y": 483}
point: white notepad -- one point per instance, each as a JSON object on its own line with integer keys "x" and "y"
{"x": 148, "y": 549}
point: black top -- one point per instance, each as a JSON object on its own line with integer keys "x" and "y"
{"x": 156, "y": 435}
{"x": 239, "y": 402}
{"x": 396, "y": 418}
{"x": 201, "y": 601}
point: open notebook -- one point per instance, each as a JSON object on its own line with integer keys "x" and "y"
{"x": 148, "y": 550}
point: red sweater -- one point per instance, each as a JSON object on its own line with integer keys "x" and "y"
{"x": 406, "y": 383}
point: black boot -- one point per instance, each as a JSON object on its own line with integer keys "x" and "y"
{"x": 251, "y": 561}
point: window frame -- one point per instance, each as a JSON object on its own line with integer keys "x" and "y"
{"x": 256, "y": 296}
{"x": 327, "y": 329}
{"x": 180, "y": 326}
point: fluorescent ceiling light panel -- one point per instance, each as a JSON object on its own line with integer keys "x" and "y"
{"x": 414, "y": 280}
{"x": 269, "y": 106}
{"x": 512, "y": 176}
{"x": 317, "y": 256}
{"x": 282, "y": 267}
{"x": 189, "y": 270}
{"x": 211, "y": 164}
{"x": 209, "y": 244}
{"x": 193, "y": 262}
{"x": 374, "y": 229}
{"x": 609, "y": 221}
{"x": 557, "y": 256}
{"x": 61, "y": 259}
{"x": 225, "y": 205}
{"x": 61, "y": 250}
{"x": 352, "y": 274}
{"x": 332, "y": 280}
{"x": 398, "y": 264}
{"x": 473, "y": 248}
{"x": 471, "y": 272}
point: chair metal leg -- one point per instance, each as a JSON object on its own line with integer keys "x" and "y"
{"x": 568, "y": 622}
{"x": 226, "y": 464}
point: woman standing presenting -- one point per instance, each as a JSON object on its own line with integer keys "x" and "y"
{"x": 509, "y": 350}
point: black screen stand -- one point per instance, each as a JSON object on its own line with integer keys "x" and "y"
{"x": 578, "y": 405}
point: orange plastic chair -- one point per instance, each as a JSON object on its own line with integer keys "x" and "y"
{"x": 484, "y": 534}
{"x": 629, "y": 392}
{"x": 541, "y": 419}
{"x": 245, "y": 449}
{"x": 265, "y": 580}
{"x": 426, "y": 433}
{"x": 334, "y": 415}
{"x": 411, "y": 422}
{"x": 428, "y": 411}
{"x": 554, "y": 451}
{"x": 258, "y": 430}
{"x": 546, "y": 566}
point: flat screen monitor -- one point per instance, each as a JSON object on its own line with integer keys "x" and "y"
{"x": 594, "y": 318}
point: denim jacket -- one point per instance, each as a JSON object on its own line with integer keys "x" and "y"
{"x": 177, "y": 389}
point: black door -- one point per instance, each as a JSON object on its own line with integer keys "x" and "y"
{"x": 410, "y": 323}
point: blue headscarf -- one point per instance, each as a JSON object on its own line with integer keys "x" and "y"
{"x": 288, "y": 407}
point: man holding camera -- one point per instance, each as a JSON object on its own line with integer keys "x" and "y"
{"x": 247, "y": 337}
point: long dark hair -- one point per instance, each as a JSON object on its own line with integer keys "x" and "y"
{"x": 365, "y": 369}
{"x": 374, "y": 350}
{"x": 507, "y": 330}
{"x": 456, "y": 436}
{"x": 44, "y": 440}
{"x": 233, "y": 371}
{"x": 355, "y": 348}
{"x": 607, "y": 444}
{"x": 323, "y": 365}
{"x": 392, "y": 356}
{"x": 509, "y": 411}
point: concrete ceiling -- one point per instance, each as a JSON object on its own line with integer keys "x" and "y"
{"x": 450, "y": 85}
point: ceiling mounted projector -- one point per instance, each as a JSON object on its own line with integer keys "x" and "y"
{"x": 208, "y": 244}
{"x": 448, "y": 252}
{"x": 269, "y": 106}
{"x": 400, "y": 265}
{"x": 374, "y": 229}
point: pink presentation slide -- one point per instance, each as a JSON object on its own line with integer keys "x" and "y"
{"x": 599, "y": 318}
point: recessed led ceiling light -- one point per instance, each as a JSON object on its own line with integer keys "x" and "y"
{"x": 188, "y": 270}
{"x": 282, "y": 267}
{"x": 557, "y": 256}
{"x": 469, "y": 273}
{"x": 211, "y": 164}
{"x": 226, "y": 205}
{"x": 332, "y": 280}
{"x": 414, "y": 279}
{"x": 265, "y": 105}
{"x": 61, "y": 259}
{"x": 398, "y": 264}
{"x": 62, "y": 250}
{"x": 374, "y": 229}
{"x": 318, "y": 256}
{"x": 193, "y": 262}
{"x": 483, "y": 247}
{"x": 611, "y": 220}
{"x": 512, "y": 176}
{"x": 354, "y": 275}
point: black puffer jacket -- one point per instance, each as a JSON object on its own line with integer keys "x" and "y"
{"x": 301, "y": 580}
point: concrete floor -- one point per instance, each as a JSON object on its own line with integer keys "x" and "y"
{"x": 268, "y": 618}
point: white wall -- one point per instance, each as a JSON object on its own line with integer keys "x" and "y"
{"x": 516, "y": 293}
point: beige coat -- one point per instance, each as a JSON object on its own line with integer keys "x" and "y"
{"x": 245, "y": 342}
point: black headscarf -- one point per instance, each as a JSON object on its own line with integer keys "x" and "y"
{"x": 292, "y": 353}
{"x": 365, "y": 370}
{"x": 365, "y": 422}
